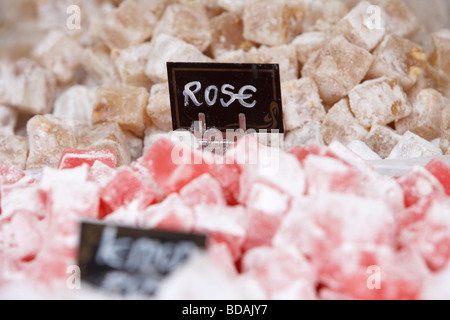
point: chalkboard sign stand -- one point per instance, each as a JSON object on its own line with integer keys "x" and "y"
{"x": 228, "y": 139}
{"x": 218, "y": 102}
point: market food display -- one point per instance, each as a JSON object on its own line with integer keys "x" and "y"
{"x": 85, "y": 133}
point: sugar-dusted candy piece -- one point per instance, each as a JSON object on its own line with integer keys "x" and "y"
{"x": 171, "y": 214}
{"x": 284, "y": 55}
{"x": 204, "y": 189}
{"x": 227, "y": 175}
{"x": 104, "y": 136}
{"x": 398, "y": 59}
{"x": 378, "y": 101}
{"x": 14, "y": 150}
{"x": 130, "y": 24}
{"x": 308, "y": 43}
{"x": 152, "y": 134}
{"x": 227, "y": 34}
{"x": 60, "y": 54}
{"x": 337, "y": 68}
{"x": 72, "y": 158}
{"x": 75, "y": 103}
{"x": 440, "y": 57}
{"x": 309, "y": 133}
{"x": 130, "y": 63}
{"x": 419, "y": 186}
{"x": 358, "y": 29}
{"x": 445, "y": 130}
{"x": 266, "y": 165}
{"x": 236, "y": 56}
{"x": 264, "y": 22}
{"x": 433, "y": 236}
{"x": 124, "y": 105}
{"x": 48, "y": 136}
{"x": 340, "y": 124}
{"x": 125, "y": 187}
{"x": 8, "y": 120}
{"x": 134, "y": 144}
{"x": 413, "y": 146}
{"x": 301, "y": 103}
{"x": 266, "y": 207}
{"x": 427, "y": 109}
{"x": 26, "y": 86}
{"x": 320, "y": 15}
{"x": 325, "y": 174}
{"x": 97, "y": 62}
{"x": 382, "y": 140}
{"x": 158, "y": 108}
{"x": 441, "y": 171}
{"x": 34, "y": 201}
{"x": 363, "y": 150}
{"x": 375, "y": 221}
{"x": 271, "y": 268}
{"x": 223, "y": 225}
{"x": 172, "y": 166}
{"x": 191, "y": 26}
{"x": 237, "y": 6}
{"x": 399, "y": 20}
{"x": 70, "y": 197}
{"x": 168, "y": 48}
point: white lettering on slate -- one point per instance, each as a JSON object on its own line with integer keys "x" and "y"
{"x": 142, "y": 255}
{"x": 194, "y": 87}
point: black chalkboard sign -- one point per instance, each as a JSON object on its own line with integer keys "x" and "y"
{"x": 132, "y": 261}
{"x": 223, "y": 91}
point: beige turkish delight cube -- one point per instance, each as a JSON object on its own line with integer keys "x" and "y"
{"x": 99, "y": 66}
{"x": 26, "y": 86}
{"x": 441, "y": 53}
{"x": 382, "y": 139}
{"x": 285, "y": 56}
{"x": 123, "y": 105}
{"x": 130, "y": 24}
{"x": 341, "y": 125}
{"x": 158, "y": 108}
{"x": 398, "y": 59}
{"x": 363, "y": 150}
{"x": 48, "y": 136}
{"x": 237, "y": 6}
{"x": 8, "y": 120}
{"x": 307, "y": 44}
{"x": 60, "y": 54}
{"x": 105, "y": 136}
{"x": 412, "y": 146}
{"x": 227, "y": 34}
{"x": 191, "y": 26}
{"x": 445, "y": 130}
{"x": 14, "y": 151}
{"x": 301, "y": 103}
{"x": 75, "y": 103}
{"x": 236, "y": 56}
{"x": 309, "y": 133}
{"x": 337, "y": 68}
{"x": 378, "y": 101}
{"x": 426, "y": 114}
{"x": 130, "y": 63}
{"x": 321, "y": 15}
{"x": 168, "y": 48}
{"x": 399, "y": 19}
{"x": 359, "y": 29}
{"x": 264, "y": 22}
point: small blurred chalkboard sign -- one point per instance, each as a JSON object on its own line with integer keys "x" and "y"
{"x": 132, "y": 261}
{"x": 222, "y": 92}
